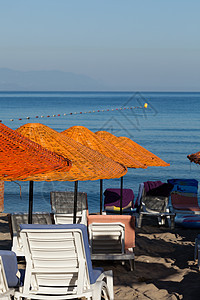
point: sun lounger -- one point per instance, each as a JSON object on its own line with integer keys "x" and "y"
{"x": 16, "y": 220}
{"x": 62, "y": 205}
{"x": 58, "y": 264}
{"x": 112, "y": 199}
{"x": 153, "y": 200}
{"x": 112, "y": 237}
{"x": 9, "y": 274}
{"x": 184, "y": 196}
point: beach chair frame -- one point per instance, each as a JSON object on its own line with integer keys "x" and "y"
{"x": 58, "y": 264}
{"x": 107, "y": 238}
{"x": 62, "y": 205}
{"x": 155, "y": 206}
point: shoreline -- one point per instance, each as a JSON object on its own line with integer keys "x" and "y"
{"x": 164, "y": 263}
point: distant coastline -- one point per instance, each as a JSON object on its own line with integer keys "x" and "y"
{"x": 53, "y": 80}
{"x": 60, "y": 81}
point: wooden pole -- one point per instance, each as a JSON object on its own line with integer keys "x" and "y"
{"x": 121, "y": 199}
{"x": 75, "y": 200}
{"x": 101, "y": 195}
{"x": 1, "y": 196}
{"x": 30, "y": 210}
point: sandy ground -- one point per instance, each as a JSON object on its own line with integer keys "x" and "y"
{"x": 164, "y": 264}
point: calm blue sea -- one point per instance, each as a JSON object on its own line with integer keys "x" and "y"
{"x": 169, "y": 127}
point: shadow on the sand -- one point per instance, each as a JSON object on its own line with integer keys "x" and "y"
{"x": 176, "y": 245}
{"x": 5, "y": 245}
{"x": 144, "y": 272}
{"x": 178, "y": 254}
{"x": 189, "y": 287}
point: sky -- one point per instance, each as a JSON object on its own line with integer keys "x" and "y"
{"x": 146, "y": 45}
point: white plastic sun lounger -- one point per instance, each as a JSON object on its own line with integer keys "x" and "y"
{"x": 62, "y": 204}
{"x": 58, "y": 264}
{"x": 112, "y": 237}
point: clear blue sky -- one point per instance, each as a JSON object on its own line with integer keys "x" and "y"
{"x": 128, "y": 44}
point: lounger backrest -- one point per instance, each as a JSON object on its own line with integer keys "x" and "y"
{"x": 9, "y": 270}
{"x": 58, "y": 258}
{"x": 155, "y": 203}
{"x": 37, "y": 218}
{"x": 155, "y": 196}
{"x": 63, "y": 202}
{"x": 81, "y": 218}
{"x": 184, "y": 192}
{"x": 107, "y": 238}
{"x": 128, "y": 222}
{"x": 17, "y": 220}
{"x": 3, "y": 281}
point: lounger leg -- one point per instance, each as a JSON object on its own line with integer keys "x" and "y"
{"x": 109, "y": 279}
{"x": 161, "y": 220}
{"x": 197, "y": 252}
{"x": 17, "y": 297}
{"x": 132, "y": 264}
{"x": 195, "y": 249}
{"x": 172, "y": 218}
{"x": 199, "y": 258}
{"x": 140, "y": 221}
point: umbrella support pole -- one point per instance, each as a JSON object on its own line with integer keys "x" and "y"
{"x": 101, "y": 195}
{"x": 75, "y": 200}
{"x": 30, "y": 211}
{"x": 121, "y": 199}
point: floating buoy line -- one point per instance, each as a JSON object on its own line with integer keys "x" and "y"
{"x": 76, "y": 113}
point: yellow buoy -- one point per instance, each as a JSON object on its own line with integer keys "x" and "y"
{"x": 145, "y": 105}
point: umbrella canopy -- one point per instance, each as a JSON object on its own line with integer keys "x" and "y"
{"x": 133, "y": 149}
{"x": 86, "y": 163}
{"x": 90, "y": 139}
{"x": 86, "y": 137}
{"x": 22, "y": 159}
{"x": 194, "y": 157}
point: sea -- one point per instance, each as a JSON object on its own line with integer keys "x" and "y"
{"x": 169, "y": 127}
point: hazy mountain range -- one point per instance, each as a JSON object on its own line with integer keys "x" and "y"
{"x": 13, "y": 80}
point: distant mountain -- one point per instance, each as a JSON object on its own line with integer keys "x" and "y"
{"x": 12, "y": 80}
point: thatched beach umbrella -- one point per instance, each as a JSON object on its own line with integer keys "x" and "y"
{"x": 195, "y": 157}
{"x": 88, "y": 138}
{"x": 133, "y": 149}
{"x": 22, "y": 159}
{"x": 87, "y": 164}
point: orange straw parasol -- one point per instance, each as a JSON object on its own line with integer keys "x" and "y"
{"x": 88, "y": 138}
{"x": 194, "y": 157}
{"x": 87, "y": 164}
{"x": 133, "y": 149}
{"x": 22, "y": 159}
